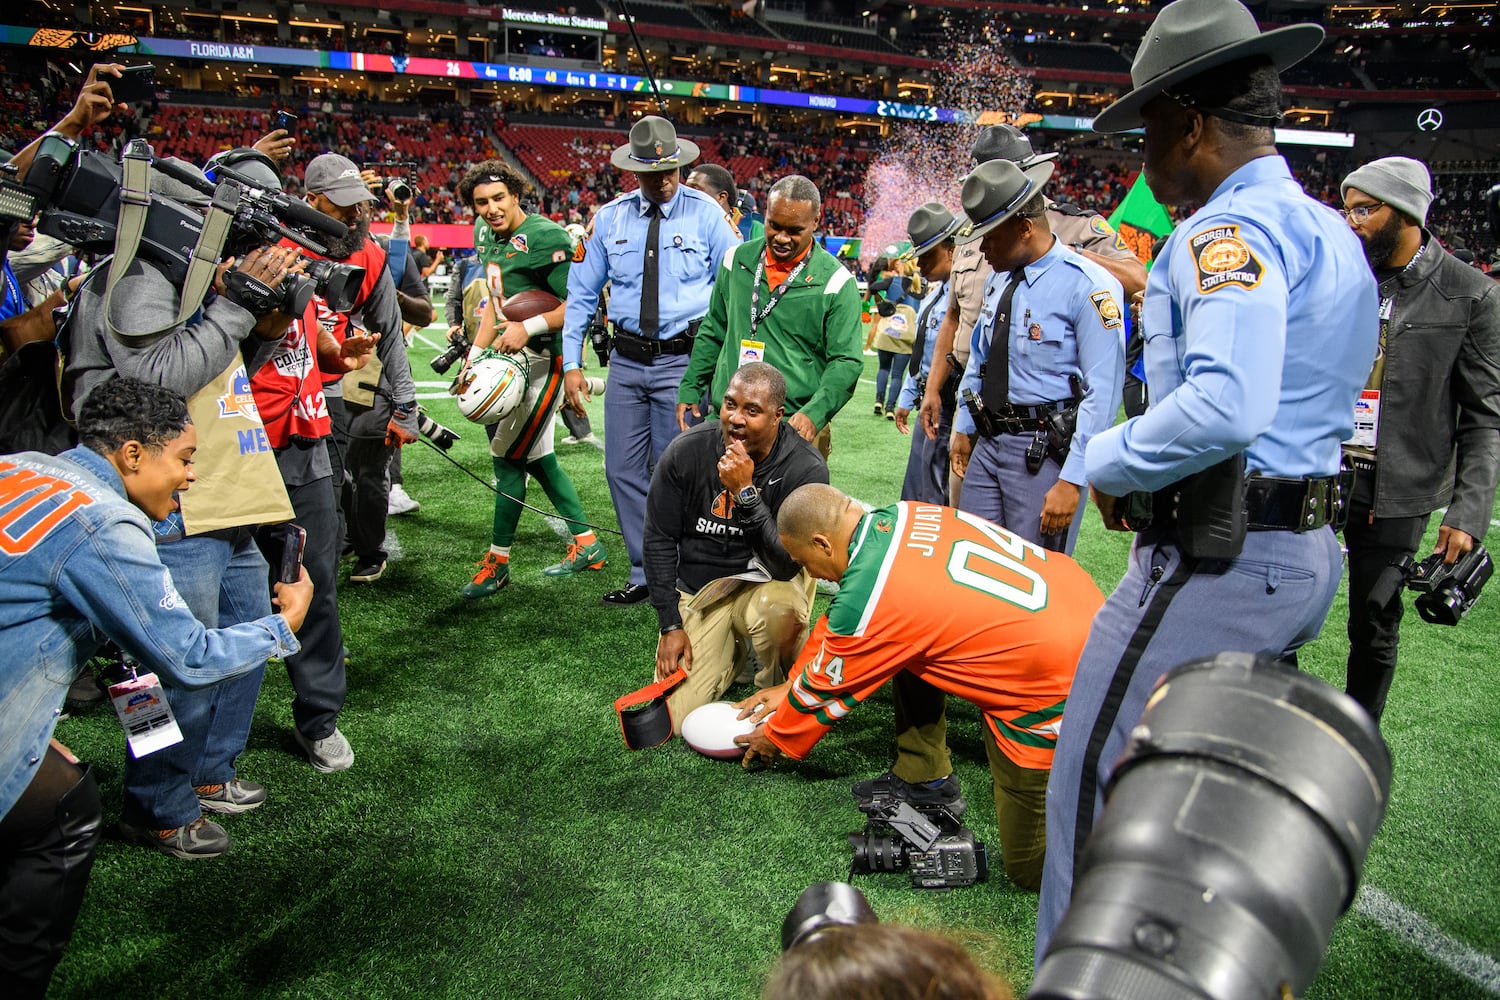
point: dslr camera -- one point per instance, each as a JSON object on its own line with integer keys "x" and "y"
{"x": 458, "y": 346}
{"x": 927, "y": 842}
{"x": 403, "y": 186}
{"x": 79, "y": 191}
{"x": 1445, "y": 593}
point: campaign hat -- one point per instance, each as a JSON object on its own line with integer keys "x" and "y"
{"x": 1191, "y": 37}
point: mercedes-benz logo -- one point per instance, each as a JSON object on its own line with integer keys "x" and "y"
{"x": 1429, "y": 119}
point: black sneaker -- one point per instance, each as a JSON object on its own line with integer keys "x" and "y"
{"x": 367, "y": 572}
{"x": 888, "y": 786}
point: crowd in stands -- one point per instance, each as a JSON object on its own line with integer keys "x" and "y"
{"x": 572, "y": 164}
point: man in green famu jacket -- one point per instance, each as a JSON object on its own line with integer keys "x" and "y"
{"x": 786, "y": 301}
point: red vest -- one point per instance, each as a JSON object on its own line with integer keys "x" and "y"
{"x": 289, "y": 388}
{"x": 371, "y": 257}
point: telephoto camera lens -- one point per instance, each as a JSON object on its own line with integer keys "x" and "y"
{"x": 400, "y": 190}
{"x": 441, "y": 437}
{"x": 1236, "y": 827}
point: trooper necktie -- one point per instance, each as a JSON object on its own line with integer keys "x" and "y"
{"x": 650, "y": 317}
{"x": 919, "y": 346}
{"x": 995, "y": 390}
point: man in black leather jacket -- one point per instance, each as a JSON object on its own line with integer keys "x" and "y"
{"x": 1427, "y": 427}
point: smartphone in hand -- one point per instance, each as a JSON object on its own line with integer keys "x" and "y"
{"x": 293, "y": 538}
{"x": 135, "y": 83}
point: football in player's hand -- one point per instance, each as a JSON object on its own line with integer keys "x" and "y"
{"x": 524, "y": 305}
{"x": 710, "y": 729}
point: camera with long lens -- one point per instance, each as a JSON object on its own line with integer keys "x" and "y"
{"x": 823, "y": 905}
{"x": 441, "y": 437}
{"x": 1236, "y": 826}
{"x": 458, "y": 346}
{"x": 79, "y": 192}
{"x": 926, "y": 841}
{"x": 1446, "y": 593}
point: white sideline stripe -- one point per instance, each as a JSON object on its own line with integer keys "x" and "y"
{"x": 417, "y": 335}
{"x": 1408, "y": 925}
{"x": 433, "y": 385}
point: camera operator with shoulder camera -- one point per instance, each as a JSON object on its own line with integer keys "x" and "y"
{"x": 80, "y": 566}
{"x": 913, "y": 581}
{"x": 1427, "y": 425}
{"x": 160, "y": 312}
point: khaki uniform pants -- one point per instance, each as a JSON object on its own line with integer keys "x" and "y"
{"x": 771, "y": 616}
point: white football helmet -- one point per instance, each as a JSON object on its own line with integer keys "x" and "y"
{"x": 494, "y": 386}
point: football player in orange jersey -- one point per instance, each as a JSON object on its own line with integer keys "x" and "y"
{"x": 962, "y": 603}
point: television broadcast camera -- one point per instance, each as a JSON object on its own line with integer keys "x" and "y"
{"x": 926, "y": 841}
{"x": 1447, "y": 593}
{"x": 78, "y": 193}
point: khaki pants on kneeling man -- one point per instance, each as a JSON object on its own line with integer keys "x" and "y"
{"x": 773, "y": 616}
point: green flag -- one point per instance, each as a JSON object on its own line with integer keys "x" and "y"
{"x": 1140, "y": 219}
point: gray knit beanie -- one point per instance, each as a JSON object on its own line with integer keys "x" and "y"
{"x": 1399, "y": 181}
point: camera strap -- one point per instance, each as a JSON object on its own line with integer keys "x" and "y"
{"x": 135, "y": 202}
{"x": 645, "y": 719}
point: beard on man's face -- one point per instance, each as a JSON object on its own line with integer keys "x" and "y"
{"x": 1381, "y": 243}
{"x": 347, "y": 245}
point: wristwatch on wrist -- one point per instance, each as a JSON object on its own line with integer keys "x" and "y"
{"x": 747, "y": 497}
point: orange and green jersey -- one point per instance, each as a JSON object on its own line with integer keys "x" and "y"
{"x": 962, "y": 603}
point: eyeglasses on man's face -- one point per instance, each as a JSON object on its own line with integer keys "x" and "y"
{"x": 1362, "y": 213}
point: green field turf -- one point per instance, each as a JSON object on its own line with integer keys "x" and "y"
{"x": 495, "y": 839}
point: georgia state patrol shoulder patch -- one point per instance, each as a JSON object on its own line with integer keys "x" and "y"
{"x": 1100, "y": 225}
{"x": 1108, "y": 309}
{"x": 1223, "y": 259}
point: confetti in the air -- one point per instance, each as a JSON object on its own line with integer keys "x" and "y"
{"x": 927, "y": 161}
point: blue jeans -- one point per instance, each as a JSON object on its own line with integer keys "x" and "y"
{"x": 222, "y": 578}
{"x": 889, "y": 376}
{"x": 640, "y": 420}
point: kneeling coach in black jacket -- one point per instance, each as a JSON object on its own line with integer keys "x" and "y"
{"x": 714, "y": 563}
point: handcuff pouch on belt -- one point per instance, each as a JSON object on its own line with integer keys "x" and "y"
{"x": 645, "y": 717}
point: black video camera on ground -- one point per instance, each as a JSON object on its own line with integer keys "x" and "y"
{"x": 928, "y": 842}
{"x": 1447, "y": 593}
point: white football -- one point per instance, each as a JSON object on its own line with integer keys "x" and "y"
{"x": 710, "y": 729}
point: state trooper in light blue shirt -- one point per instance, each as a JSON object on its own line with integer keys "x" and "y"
{"x": 1260, "y": 328}
{"x": 659, "y": 249}
{"x": 1058, "y": 317}
{"x": 930, "y": 229}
